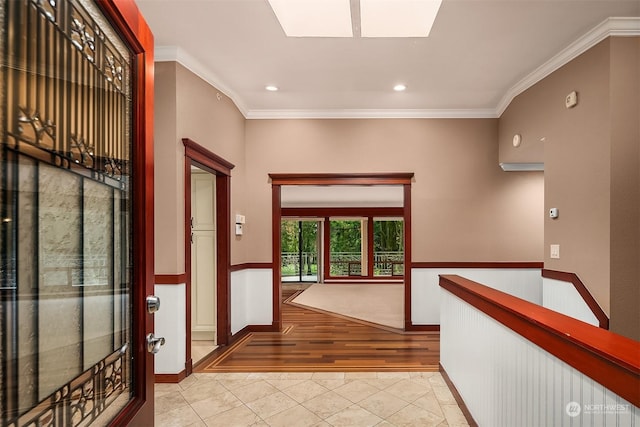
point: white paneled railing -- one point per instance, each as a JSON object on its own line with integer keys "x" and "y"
{"x": 518, "y": 364}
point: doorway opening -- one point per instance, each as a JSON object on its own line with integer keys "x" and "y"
{"x": 384, "y": 198}
{"x": 203, "y": 263}
{"x": 300, "y": 240}
{"x": 207, "y": 251}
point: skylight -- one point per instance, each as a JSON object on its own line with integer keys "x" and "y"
{"x": 314, "y": 18}
{"x": 379, "y": 18}
{"x": 398, "y": 18}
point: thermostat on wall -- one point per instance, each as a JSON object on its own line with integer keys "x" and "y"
{"x": 571, "y": 100}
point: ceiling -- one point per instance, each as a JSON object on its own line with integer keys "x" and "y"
{"x": 479, "y": 55}
{"x": 311, "y": 196}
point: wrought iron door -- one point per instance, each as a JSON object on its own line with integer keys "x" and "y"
{"x": 66, "y": 207}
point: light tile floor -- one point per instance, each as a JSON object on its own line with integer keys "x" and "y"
{"x": 308, "y": 399}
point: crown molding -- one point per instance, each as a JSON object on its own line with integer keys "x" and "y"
{"x": 488, "y": 113}
{"x": 619, "y": 27}
{"x": 179, "y": 55}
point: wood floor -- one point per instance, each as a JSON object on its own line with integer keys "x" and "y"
{"x": 313, "y": 341}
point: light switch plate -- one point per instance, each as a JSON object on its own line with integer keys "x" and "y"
{"x": 555, "y": 251}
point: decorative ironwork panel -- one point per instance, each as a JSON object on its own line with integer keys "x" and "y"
{"x": 65, "y": 211}
{"x": 67, "y": 88}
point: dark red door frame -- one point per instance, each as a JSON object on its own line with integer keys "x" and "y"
{"x": 278, "y": 180}
{"x": 197, "y": 155}
{"x": 127, "y": 20}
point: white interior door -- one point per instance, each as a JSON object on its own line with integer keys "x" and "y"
{"x": 203, "y": 257}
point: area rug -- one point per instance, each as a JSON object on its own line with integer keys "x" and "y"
{"x": 376, "y": 303}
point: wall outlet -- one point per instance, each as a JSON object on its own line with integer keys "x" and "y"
{"x": 555, "y": 251}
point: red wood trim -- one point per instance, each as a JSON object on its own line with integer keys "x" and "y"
{"x": 251, "y": 265}
{"x": 129, "y": 22}
{"x": 253, "y": 328}
{"x": 340, "y": 212}
{"x": 188, "y": 366}
{"x": 464, "y": 264}
{"x": 170, "y": 279}
{"x": 276, "y": 225}
{"x": 407, "y": 256}
{"x": 170, "y": 378}
{"x": 223, "y": 261}
{"x": 607, "y": 358}
{"x": 458, "y": 397}
{"x": 277, "y": 180}
{"x": 422, "y": 328}
{"x": 187, "y": 255}
{"x": 573, "y": 278}
{"x": 205, "y": 157}
{"x": 341, "y": 178}
{"x": 241, "y": 333}
{"x": 202, "y": 157}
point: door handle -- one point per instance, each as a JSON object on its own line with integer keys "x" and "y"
{"x": 154, "y": 343}
{"x": 153, "y": 304}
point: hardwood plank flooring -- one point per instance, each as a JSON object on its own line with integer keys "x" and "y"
{"x": 313, "y": 341}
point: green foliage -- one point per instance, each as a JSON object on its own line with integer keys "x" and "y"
{"x": 387, "y": 236}
{"x": 345, "y": 236}
{"x": 289, "y": 236}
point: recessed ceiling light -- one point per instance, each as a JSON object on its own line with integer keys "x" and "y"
{"x": 271, "y": 88}
{"x": 399, "y": 87}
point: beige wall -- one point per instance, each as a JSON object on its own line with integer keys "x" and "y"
{"x": 464, "y": 207}
{"x": 188, "y": 107}
{"x": 625, "y": 186}
{"x": 168, "y": 232}
{"x": 591, "y": 170}
{"x": 211, "y": 119}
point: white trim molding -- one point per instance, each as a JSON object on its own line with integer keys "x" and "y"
{"x": 179, "y": 55}
{"x": 619, "y": 27}
{"x": 487, "y": 113}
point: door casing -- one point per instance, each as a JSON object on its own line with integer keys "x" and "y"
{"x": 128, "y": 21}
{"x": 204, "y": 159}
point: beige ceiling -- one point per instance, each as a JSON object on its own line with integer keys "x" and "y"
{"x": 480, "y": 54}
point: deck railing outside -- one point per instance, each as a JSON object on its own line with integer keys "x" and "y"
{"x": 388, "y": 263}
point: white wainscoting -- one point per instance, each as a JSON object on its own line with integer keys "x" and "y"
{"x": 251, "y": 298}
{"x": 505, "y": 380}
{"x": 563, "y": 297}
{"x": 170, "y": 323}
{"x": 525, "y": 283}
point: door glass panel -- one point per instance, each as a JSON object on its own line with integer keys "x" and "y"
{"x": 300, "y": 255}
{"x": 65, "y": 207}
{"x": 388, "y": 247}
{"x": 290, "y": 257}
{"x": 309, "y": 251}
{"x": 345, "y": 248}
